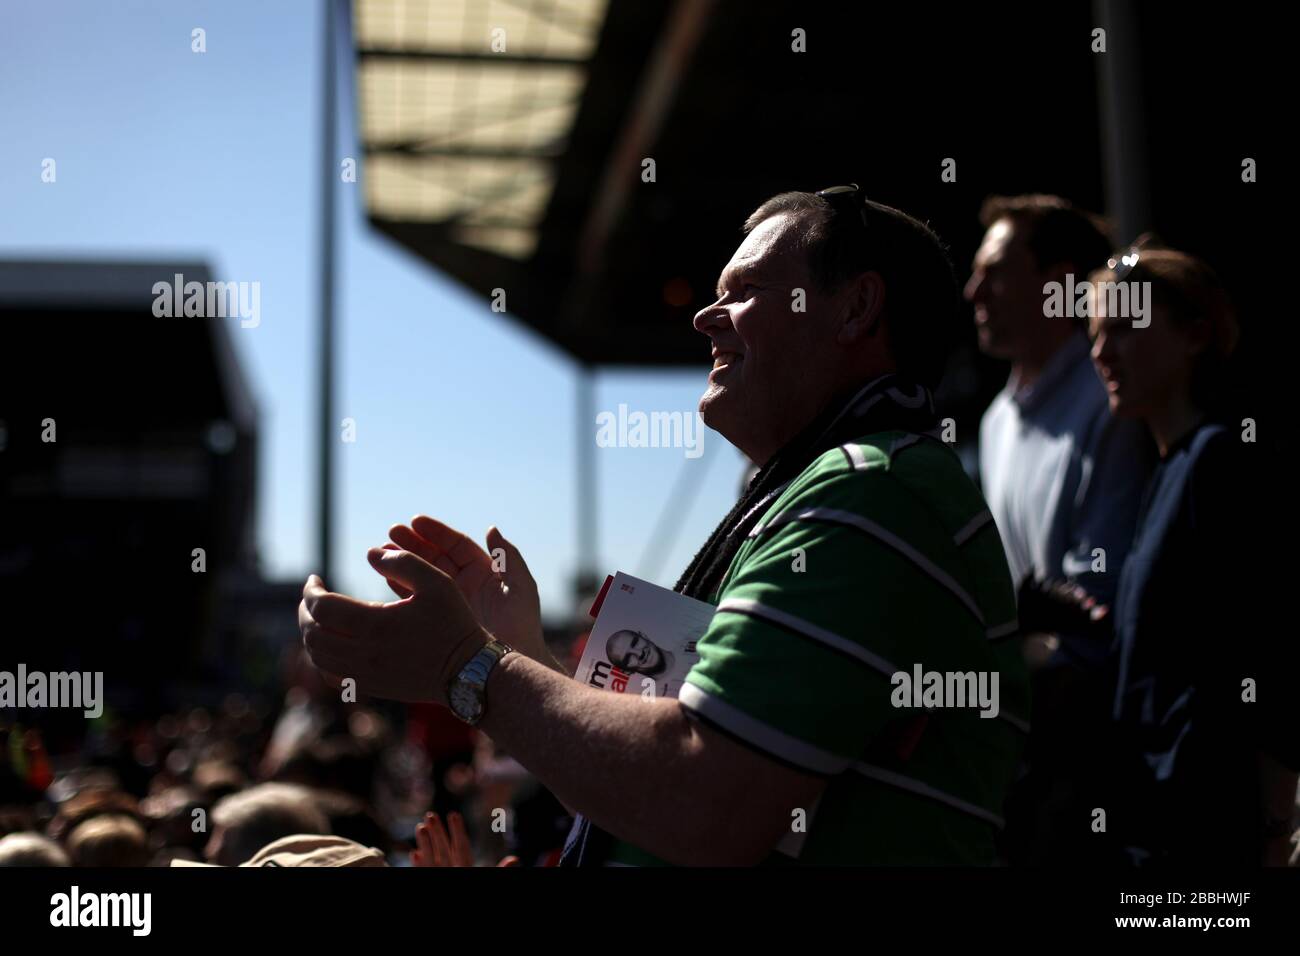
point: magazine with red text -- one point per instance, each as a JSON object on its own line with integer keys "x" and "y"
{"x": 643, "y": 640}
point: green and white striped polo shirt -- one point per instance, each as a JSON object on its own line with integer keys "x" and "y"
{"x": 880, "y": 556}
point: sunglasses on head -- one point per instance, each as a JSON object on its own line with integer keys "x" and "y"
{"x": 1122, "y": 263}
{"x": 845, "y": 198}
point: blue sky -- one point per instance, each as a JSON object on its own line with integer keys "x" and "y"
{"x": 165, "y": 154}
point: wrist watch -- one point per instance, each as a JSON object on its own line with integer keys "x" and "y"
{"x": 467, "y": 692}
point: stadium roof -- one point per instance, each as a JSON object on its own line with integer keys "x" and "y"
{"x": 110, "y": 307}
{"x": 519, "y": 167}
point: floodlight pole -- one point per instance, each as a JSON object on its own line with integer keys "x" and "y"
{"x": 325, "y": 382}
{"x": 1122, "y": 113}
{"x": 588, "y": 502}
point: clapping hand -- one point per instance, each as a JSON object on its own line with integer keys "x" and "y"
{"x": 406, "y": 650}
{"x": 434, "y": 846}
{"x": 495, "y": 582}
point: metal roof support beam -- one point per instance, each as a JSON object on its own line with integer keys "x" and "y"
{"x": 545, "y": 154}
{"x": 468, "y": 56}
{"x": 658, "y": 89}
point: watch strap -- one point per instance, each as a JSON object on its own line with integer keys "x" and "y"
{"x": 474, "y": 675}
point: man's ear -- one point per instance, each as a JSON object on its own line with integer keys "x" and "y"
{"x": 1057, "y": 272}
{"x": 863, "y": 309}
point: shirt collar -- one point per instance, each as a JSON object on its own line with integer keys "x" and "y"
{"x": 908, "y": 399}
{"x": 1074, "y": 349}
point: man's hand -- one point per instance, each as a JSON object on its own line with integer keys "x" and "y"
{"x": 405, "y": 650}
{"x": 504, "y": 601}
{"x": 1054, "y": 606}
{"x": 435, "y": 846}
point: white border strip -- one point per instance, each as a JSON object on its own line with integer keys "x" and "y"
{"x": 975, "y": 524}
{"x": 761, "y": 735}
{"x": 855, "y": 650}
{"x": 911, "y": 784}
{"x": 888, "y": 537}
{"x": 855, "y": 456}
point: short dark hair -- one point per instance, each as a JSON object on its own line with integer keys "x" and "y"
{"x": 1056, "y": 230}
{"x": 920, "y": 287}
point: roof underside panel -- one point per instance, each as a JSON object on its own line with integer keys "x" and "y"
{"x": 521, "y": 166}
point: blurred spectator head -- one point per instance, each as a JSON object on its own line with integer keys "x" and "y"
{"x": 171, "y": 815}
{"x": 335, "y": 763}
{"x": 80, "y": 780}
{"x": 31, "y": 849}
{"x": 17, "y": 819}
{"x": 1030, "y": 240}
{"x": 352, "y": 818}
{"x": 1185, "y": 348}
{"x": 89, "y": 804}
{"x": 108, "y": 840}
{"x": 216, "y": 779}
{"x": 245, "y": 822}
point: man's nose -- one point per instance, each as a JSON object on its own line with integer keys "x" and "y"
{"x": 974, "y": 290}
{"x": 712, "y": 316}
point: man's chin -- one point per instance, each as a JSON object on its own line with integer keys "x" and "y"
{"x": 709, "y": 403}
{"x": 721, "y": 410}
{"x": 988, "y": 344}
{"x": 715, "y": 408}
{"x": 1123, "y": 406}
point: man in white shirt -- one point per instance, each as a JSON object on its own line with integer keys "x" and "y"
{"x": 1064, "y": 483}
{"x": 1062, "y": 478}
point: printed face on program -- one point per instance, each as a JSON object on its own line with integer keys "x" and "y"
{"x": 633, "y": 652}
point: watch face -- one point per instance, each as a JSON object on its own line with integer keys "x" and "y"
{"x": 465, "y": 702}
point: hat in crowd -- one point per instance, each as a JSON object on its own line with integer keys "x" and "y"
{"x": 304, "y": 849}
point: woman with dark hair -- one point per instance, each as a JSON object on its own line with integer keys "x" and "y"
{"x": 1204, "y": 707}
